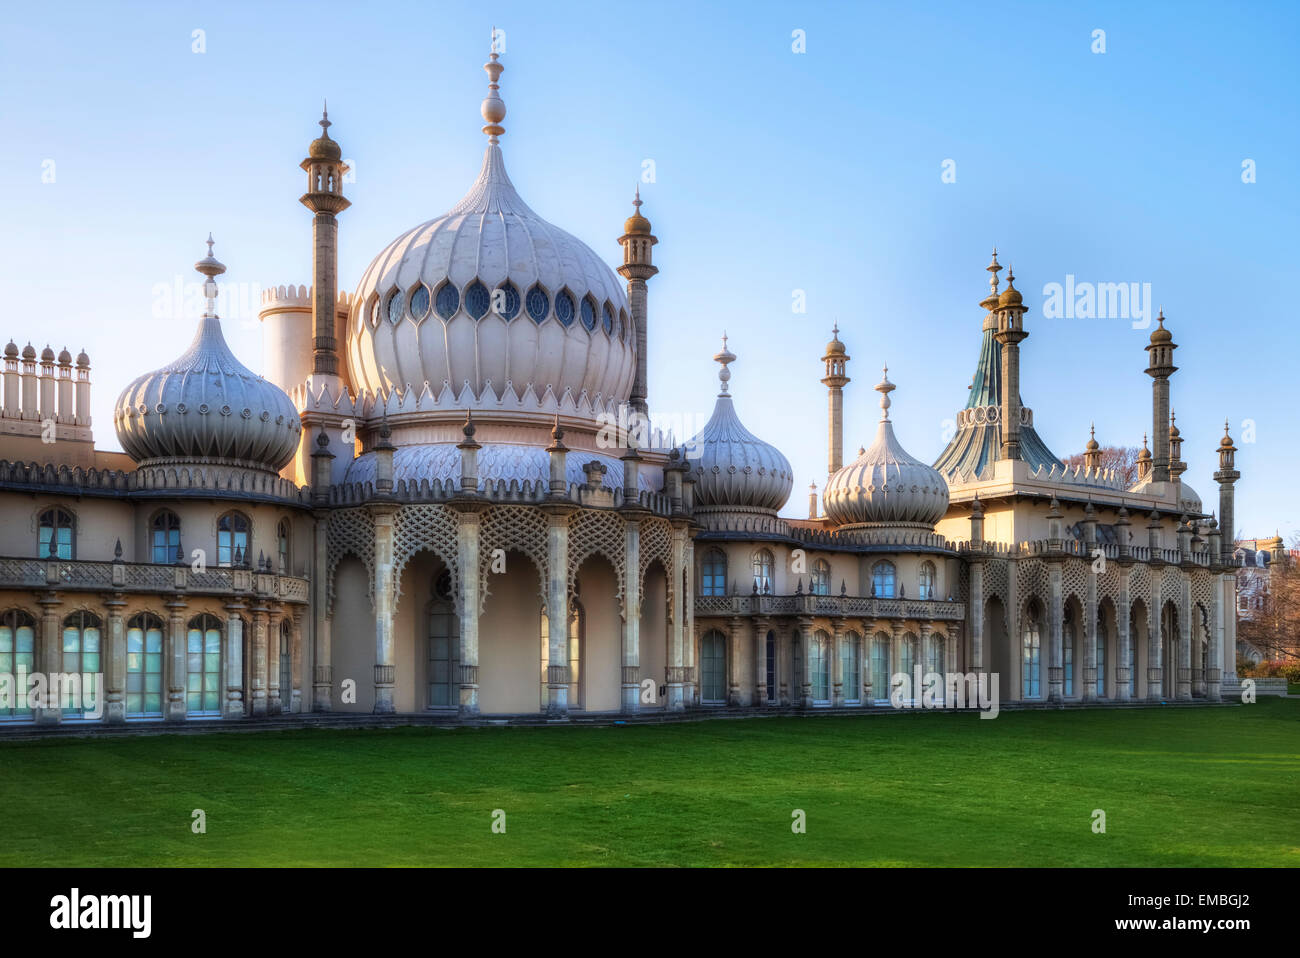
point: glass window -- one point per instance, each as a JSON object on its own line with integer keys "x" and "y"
{"x": 713, "y": 573}
{"x": 448, "y": 301}
{"x": 17, "y": 653}
{"x": 713, "y": 667}
{"x": 420, "y": 301}
{"x": 882, "y": 580}
{"x": 880, "y": 667}
{"x": 607, "y": 319}
{"x": 395, "y": 306}
{"x": 588, "y": 313}
{"x": 505, "y": 301}
{"x": 56, "y": 525}
{"x": 166, "y": 535}
{"x": 144, "y": 641}
{"x": 908, "y": 666}
{"x": 538, "y": 304}
{"x": 444, "y": 638}
{"x": 1029, "y": 657}
{"x": 1101, "y": 656}
{"x": 286, "y": 664}
{"x": 374, "y": 311}
{"x": 1067, "y": 652}
{"x": 564, "y": 308}
{"x": 819, "y": 660}
{"x": 927, "y": 581}
{"x": 232, "y": 540}
{"x": 81, "y": 657}
{"x": 771, "y": 666}
{"x": 850, "y": 674}
{"x": 282, "y": 544}
{"x": 821, "y": 578}
{"x": 763, "y": 563}
{"x": 477, "y": 300}
{"x": 203, "y": 666}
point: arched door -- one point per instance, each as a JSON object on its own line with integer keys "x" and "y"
{"x": 713, "y": 668}
{"x": 443, "y": 646}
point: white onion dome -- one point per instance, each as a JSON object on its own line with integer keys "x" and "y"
{"x": 490, "y": 296}
{"x": 885, "y": 486}
{"x": 735, "y": 470}
{"x": 207, "y": 406}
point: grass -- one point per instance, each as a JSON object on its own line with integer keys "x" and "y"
{"x": 1180, "y": 787}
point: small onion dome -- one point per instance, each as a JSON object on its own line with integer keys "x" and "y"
{"x": 65, "y": 357}
{"x": 1145, "y": 454}
{"x": 885, "y": 486}
{"x": 636, "y": 223}
{"x": 735, "y": 469}
{"x": 835, "y": 347}
{"x": 1010, "y": 296}
{"x": 83, "y": 359}
{"x": 29, "y": 351}
{"x": 206, "y": 406}
{"x": 1093, "y": 444}
{"x": 1160, "y": 334}
{"x": 1226, "y": 441}
{"x": 324, "y": 148}
{"x": 47, "y": 354}
{"x": 11, "y": 350}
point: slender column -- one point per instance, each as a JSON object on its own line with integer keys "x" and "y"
{"x": 295, "y": 661}
{"x": 273, "y": 702}
{"x": 1055, "y": 615}
{"x": 258, "y": 703}
{"x": 924, "y": 638}
{"x": 50, "y": 659}
{"x": 950, "y": 655}
{"x": 761, "y": 626}
{"x": 177, "y": 661}
{"x": 735, "y": 630}
{"x": 323, "y": 671}
{"x": 632, "y": 618}
{"x": 1228, "y": 590}
{"x": 1123, "y": 635}
{"x": 468, "y": 527}
{"x": 785, "y": 656}
{"x": 975, "y": 614}
{"x": 1184, "y": 688}
{"x": 383, "y": 515}
{"x": 115, "y": 662}
{"x": 896, "y": 659}
{"x": 234, "y": 660}
{"x": 1155, "y": 641}
{"x": 1090, "y": 639}
{"x": 680, "y": 658}
{"x": 837, "y": 665}
{"x": 1214, "y": 656}
{"x": 805, "y": 650}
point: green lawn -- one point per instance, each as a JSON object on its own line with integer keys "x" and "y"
{"x": 1178, "y": 786}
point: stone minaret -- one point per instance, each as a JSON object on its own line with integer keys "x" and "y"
{"x": 1225, "y": 477}
{"x": 1176, "y": 465}
{"x": 1160, "y": 367}
{"x": 836, "y": 359}
{"x": 1010, "y": 333}
{"x": 1092, "y": 452}
{"x": 324, "y": 197}
{"x": 638, "y": 267}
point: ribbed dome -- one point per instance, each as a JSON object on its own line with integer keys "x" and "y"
{"x": 885, "y": 486}
{"x": 735, "y": 469}
{"x": 207, "y": 406}
{"x": 491, "y": 293}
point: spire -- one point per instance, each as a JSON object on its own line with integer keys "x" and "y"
{"x": 493, "y": 107}
{"x": 325, "y": 123}
{"x": 993, "y": 269}
{"x": 725, "y": 357}
{"x": 210, "y": 268}
{"x": 884, "y": 387}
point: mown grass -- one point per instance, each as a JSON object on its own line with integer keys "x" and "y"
{"x": 1179, "y": 787}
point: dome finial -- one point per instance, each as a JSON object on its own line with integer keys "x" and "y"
{"x": 725, "y": 357}
{"x": 493, "y": 107}
{"x": 884, "y": 387}
{"x": 994, "y": 268}
{"x": 325, "y": 123}
{"x": 210, "y": 268}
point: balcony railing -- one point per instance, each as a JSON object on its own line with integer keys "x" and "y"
{"x": 86, "y": 576}
{"x": 829, "y": 605}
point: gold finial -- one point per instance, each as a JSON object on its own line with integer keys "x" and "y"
{"x": 493, "y": 107}
{"x": 994, "y": 268}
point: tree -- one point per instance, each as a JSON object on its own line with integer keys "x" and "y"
{"x": 1274, "y": 625}
{"x": 1122, "y": 459}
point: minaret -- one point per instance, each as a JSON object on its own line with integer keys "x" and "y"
{"x": 1176, "y": 465}
{"x": 1144, "y": 461}
{"x": 1092, "y": 454}
{"x": 1010, "y": 333}
{"x": 1225, "y": 477}
{"x": 1160, "y": 367}
{"x": 836, "y": 359}
{"x": 638, "y": 267}
{"x": 324, "y": 197}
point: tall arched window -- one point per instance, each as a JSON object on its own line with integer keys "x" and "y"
{"x": 286, "y": 664}
{"x": 821, "y": 578}
{"x": 59, "y": 527}
{"x": 763, "y": 563}
{"x": 1030, "y": 650}
{"x": 771, "y": 666}
{"x": 882, "y": 580}
{"x": 203, "y": 685}
{"x": 81, "y": 648}
{"x": 17, "y": 652}
{"x": 144, "y": 642}
{"x": 926, "y": 585}
{"x": 880, "y": 667}
{"x": 819, "y": 666}
{"x": 1067, "y": 651}
{"x": 165, "y": 536}
{"x": 282, "y": 546}
{"x": 908, "y": 666}
{"x": 713, "y": 573}
{"x": 444, "y": 637}
{"x": 232, "y": 540}
{"x": 713, "y": 668}
{"x": 850, "y": 667}
{"x": 1101, "y": 655}
{"x": 934, "y": 662}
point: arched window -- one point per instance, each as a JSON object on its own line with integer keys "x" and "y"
{"x": 713, "y": 668}
{"x": 564, "y": 307}
{"x": 1067, "y": 651}
{"x": 165, "y": 535}
{"x": 59, "y": 527}
{"x": 17, "y": 652}
{"x": 908, "y": 667}
{"x": 882, "y": 580}
{"x": 447, "y": 301}
{"x": 934, "y": 663}
{"x": 880, "y": 667}
{"x": 588, "y": 312}
{"x": 286, "y": 664}
{"x": 763, "y": 563}
{"x": 477, "y": 300}
{"x": 538, "y": 304}
{"x": 821, "y": 578}
{"x": 203, "y": 685}
{"x": 144, "y": 642}
{"x": 505, "y": 301}
{"x": 232, "y": 540}
{"x": 81, "y": 657}
{"x": 419, "y": 302}
{"x": 771, "y": 665}
{"x": 1030, "y": 651}
{"x": 713, "y": 573}
{"x": 926, "y": 590}
{"x": 444, "y": 639}
{"x": 819, "y": 666}
{"x": 395, "y": 306}
{"x": 282, "y": 546}
{"x": 850, "y": 667}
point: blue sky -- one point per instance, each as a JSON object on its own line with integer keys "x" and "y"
{"x": 775, "y": 171}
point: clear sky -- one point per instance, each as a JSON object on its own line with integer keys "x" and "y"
{"x": 774, "y": 171}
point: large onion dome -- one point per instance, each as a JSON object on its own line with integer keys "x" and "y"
{"x": 207, "y": 406}
{"x": 885, "y": 486}
{"x": 492, "y": 297}
{"x": 735, "y": 470}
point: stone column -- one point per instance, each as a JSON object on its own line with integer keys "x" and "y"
{"x": 468, "y": 528}
{"x": 950, "y": 657}
{"x": 383, "y": 515}
{"x": 1214, "y": 655}
{"x": 735, "y": 629}
{"x": 273, "y": 703}
{"x": 1184, "y": 687}
{"x": 896, "y": 660}
{"x": 924, "y": 638}
{"x": 234, "y": 705}
{"x": 975, "y": 614}
{"x": 114, "y": 661}
{"x": 680, "y": 658}
{"x": 322, "y": 671}
{"x": 258, "y": 703}
{"x": 49, "y": 658}
{"x": 1089, "y": 631}
{"x": 1228, "y": 591}
{"x": 176, "y": 660}
{"x": 295, "y": 660}
{"x": 805, "y": 650}
{"x": 785, "y": 668}
{"x": 558, "y": 672}
{"x": 837, "y": 662}
{"x": 1055, "y": 614}
{"x": 632, "y": 618}
{"x": 1123, "y": 635}
{"x": 761, "y": 626}
{"x": 1155, "y": 643}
